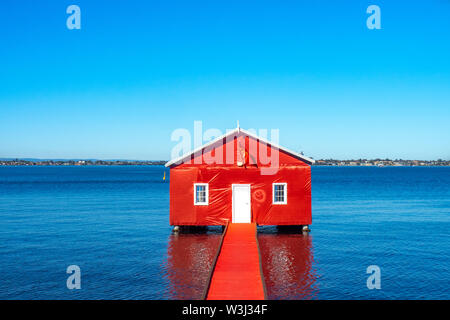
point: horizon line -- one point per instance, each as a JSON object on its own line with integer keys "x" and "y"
{"x": 153, "y": 160}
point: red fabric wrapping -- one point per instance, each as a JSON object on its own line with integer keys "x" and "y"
{"x": 220, "y": 177}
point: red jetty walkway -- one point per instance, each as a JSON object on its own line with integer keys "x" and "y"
{"x": 236, "y": 273}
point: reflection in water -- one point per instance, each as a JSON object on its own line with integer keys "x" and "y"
{"x": 287, "y": 265}
{"x": 189, "y": 259}
{"x": 287, "y": 261}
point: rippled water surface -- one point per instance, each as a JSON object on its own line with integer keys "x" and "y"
{"x": 113, "y": 223}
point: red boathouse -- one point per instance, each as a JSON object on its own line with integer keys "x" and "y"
{"x": 240, "y": 178}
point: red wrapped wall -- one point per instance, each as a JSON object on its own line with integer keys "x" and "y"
{"x": 220, "y": 177}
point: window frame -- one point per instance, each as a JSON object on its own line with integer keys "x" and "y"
{"x": 206, "y": 194}
{"x": 284, "y": 184}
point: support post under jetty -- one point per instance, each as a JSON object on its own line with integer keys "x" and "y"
{"x": 305, "y": 228}
{"x": 190, "y": 229}
{"x": 293, "y": 228}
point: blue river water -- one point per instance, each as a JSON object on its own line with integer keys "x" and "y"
{"x": 113, "y": 222}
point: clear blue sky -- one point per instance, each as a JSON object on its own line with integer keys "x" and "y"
{"x": 137, "y": 70}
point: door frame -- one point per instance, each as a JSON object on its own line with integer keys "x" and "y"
{"x": 233, "y": 202}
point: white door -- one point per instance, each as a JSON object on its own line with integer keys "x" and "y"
{"x": 241, "y": 203}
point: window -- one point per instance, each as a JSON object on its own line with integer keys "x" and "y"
{"x": 201, "y": 194}
{"x": 279, "y": 191}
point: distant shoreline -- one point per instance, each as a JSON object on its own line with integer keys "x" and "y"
{"x": 20, "y": 162}
{"x": 383, "y": 163}
{"x": 321, "y": 162}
